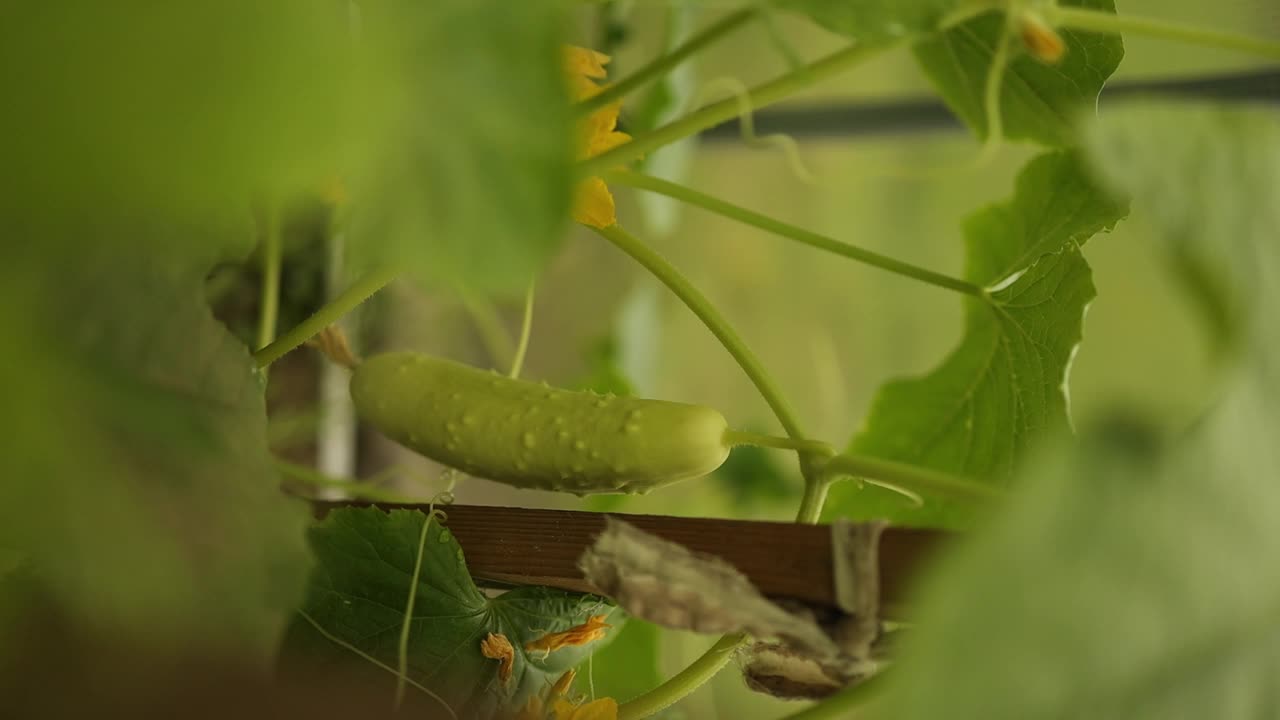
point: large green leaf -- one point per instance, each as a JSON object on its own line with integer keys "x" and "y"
{"x": 137, "y": 483}
{"x": 1129, "y": 580}
{"x": 876, "y": 20}
{"x": 1038, "y": 102}
{"x": 466, "y": 175}
{"x": 162, "y": 106}
{"x": 1005, "y": 385}
{"x": 358, "y": 594}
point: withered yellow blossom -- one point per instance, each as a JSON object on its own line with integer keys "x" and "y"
{"x": 597, "y": 133}
{"x": 496, "y": 646}
{"x": 593, "y": 629}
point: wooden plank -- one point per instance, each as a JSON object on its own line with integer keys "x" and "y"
{"x": 784, "y": 560}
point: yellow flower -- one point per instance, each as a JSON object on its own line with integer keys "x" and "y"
{"x": 597, "y": 133}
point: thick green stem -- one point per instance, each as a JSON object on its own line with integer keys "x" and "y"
{"x": 916, "y": 479}
{"x": 369, "y": 489}
{"x": 662, "y": 65}
{"x": 1105, "y": 22}
{"x": 326, "y": 316}
{"x": 792, "y": 232}
{"x": 716, "y": 113}
{"x": 683, "y": 682}
{"x": 742, "y": 437}
{"x": 715, "y": 322}
{"x": 841, "y": 705}
{"x": 994, "y": 89}
{"x": 272, "y": 251}
{"x": 815, "y": 495}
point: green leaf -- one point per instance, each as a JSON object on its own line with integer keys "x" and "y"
{"x": 1004, "y": 386}
{"x": 1127, "y": 580}
{"x": 874, "y": 21}
{"x": 358, "y": 594}
{"x": 1038, "y": 102}
{"x": 173, "y": 106}
{"x": 138, "y": 486}
{"x": 466, "y": 178}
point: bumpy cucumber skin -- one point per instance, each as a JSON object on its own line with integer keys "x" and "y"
{"x": 533, "y": 436}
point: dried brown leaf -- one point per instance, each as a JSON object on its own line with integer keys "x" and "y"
{"x": 669, "y": 585}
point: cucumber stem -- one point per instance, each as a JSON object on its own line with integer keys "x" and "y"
{"x": 370, "y": 489}
{"x": 1111, "y": 23}
{"x": 711, "y": 318}
{"x": 269, "y": 306}
{"x": 789, "y": 231}
{"x": 683, "y": 682}
{"x": 718, "y": 112}
{"x": 327, "y": 315}
{"x": 664, "y": 64}
{"x": 916, "y": 479}
{"x": 734, "y": 438}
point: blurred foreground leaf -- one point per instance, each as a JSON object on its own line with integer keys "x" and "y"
{"x": 164, "y": 106}
{"x": 1207, "y": 179}
{"x": 1129, "y": 580}
{"x": 465, "y": 175}
{"x": 1005, "y": 385}
{"x": 358, "y": 594}
{"x": 1038, "y": 102}
{"x": 137, "y": 483}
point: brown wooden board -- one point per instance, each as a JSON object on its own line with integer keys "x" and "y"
{"x": 784, "y": 560}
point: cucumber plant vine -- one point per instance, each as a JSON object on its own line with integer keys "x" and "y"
{"x": 441, "y": 187}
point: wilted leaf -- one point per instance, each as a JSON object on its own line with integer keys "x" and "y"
{"x": 358, "y": 594}
{"x": 1005, "y": 385}
{"x": 667, "y": 584}
{"x": 1038, "y": 102}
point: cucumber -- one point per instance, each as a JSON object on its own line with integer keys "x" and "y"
{"x": 530, "y": 435}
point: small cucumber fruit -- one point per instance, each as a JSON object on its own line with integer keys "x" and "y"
{"x": 533, "y": 436}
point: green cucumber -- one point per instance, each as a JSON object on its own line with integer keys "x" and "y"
{"x": 533, "y": 436}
